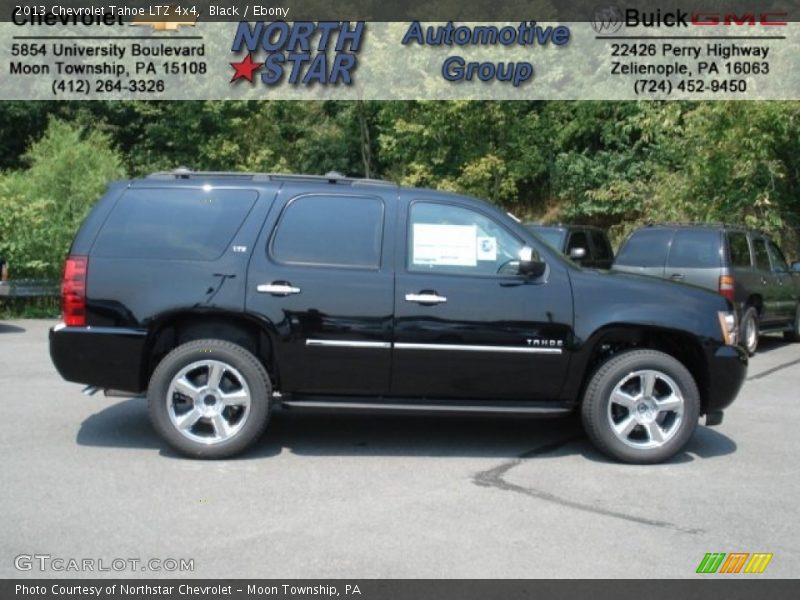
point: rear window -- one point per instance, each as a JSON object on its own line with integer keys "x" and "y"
{"x": 337, "y": 231}
{"x": 739, "y": 249}
{"x": 695, "y": 249}
{"x": 645, "y": 248}
{"x": 174, "y": 223}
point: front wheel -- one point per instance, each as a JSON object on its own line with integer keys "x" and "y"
{"x": 641, "y": 406}
{"x": 209, "y": 398}
{"x": 749, "y": 330}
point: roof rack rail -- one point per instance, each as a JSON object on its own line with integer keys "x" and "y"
{"x": 697, "y": 224}
{"x": 330, "y": 177}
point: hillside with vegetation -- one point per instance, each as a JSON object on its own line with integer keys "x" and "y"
{"x": 614, "y": 164}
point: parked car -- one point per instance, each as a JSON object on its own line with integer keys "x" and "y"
{"x": 225, "y": 296}
{"x": 743, "y": 265}
{"x": 588, "y": 246}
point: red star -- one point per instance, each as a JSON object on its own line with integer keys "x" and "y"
{"x": 245, "y": 69}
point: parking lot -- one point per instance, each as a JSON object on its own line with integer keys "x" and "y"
{"x": 383, "y": 496}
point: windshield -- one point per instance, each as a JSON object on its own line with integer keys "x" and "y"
{"x": 552, "y": 237}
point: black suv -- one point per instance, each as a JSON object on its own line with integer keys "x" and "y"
{"x": 743, "y": 265}
{"x": 588, "y": 246}
{"x": 225, "y": 296}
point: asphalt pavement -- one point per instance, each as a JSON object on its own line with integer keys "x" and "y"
{"x": 386, "y": 496}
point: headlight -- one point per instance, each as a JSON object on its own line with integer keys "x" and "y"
{"x": 729, "y": 326}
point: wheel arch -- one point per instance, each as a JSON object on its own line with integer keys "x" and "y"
{"x": 179, "y": 327}
{"x": 612, "y": 339}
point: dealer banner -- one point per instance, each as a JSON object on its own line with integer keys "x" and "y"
{"x": 304, "y": 50}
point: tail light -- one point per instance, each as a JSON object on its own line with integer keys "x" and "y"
{"x": 726, "y": 286}
{"x": 73, "y": 291}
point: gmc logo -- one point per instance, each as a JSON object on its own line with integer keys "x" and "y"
{"x": 717, "y": 18}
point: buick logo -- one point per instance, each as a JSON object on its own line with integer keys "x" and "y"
{"x": 607, "y": 20}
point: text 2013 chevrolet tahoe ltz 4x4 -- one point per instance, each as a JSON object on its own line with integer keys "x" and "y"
{"x": 224, "y": 295}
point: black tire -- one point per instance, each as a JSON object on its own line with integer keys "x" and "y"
{"x": 244, "y": 421}
{"x": 598, "y": 412}
{"x": 794, "y": 335}
{"x": 749, "y": 330}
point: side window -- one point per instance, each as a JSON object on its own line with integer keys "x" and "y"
{"x": 739, "y": 249}
{"x": 762, "y": 258}
{"x": 578, "y": 239}
{"x": 695, "y": 248}
{"x": 173, "y": 223}
{"x": 602, "y": 249}
{"x": 336, "y": 231}
{"x": 777, "y": 259}
{"x": 645, "y": 248}
{"x": 443, "y": 238}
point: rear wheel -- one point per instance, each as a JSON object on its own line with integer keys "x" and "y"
{"x": 209, "y": 398}
{"x": 794, "y": 334}
{"x": 750, "y": 330}
{"x": 641, "y": 406}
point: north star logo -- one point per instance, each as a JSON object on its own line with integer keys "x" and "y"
{"x": 299, "y": 53}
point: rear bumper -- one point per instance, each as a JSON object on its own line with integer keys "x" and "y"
{"x": 106, "y": 357}
{"x": 727, "y": 370}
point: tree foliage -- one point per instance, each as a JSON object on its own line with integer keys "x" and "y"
{"x": 615, "y": 164}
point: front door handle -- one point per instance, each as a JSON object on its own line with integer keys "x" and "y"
{"x": 426, "y": 297}
{"x": 677, "y": 277}
{"x": 278, "y": 288}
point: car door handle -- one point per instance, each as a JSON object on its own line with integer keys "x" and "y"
{"x": 677, "y": 277}
{"x": 278, "y": 288}
{"x": 426, "y": 298}
{"x": 763, "y": 281}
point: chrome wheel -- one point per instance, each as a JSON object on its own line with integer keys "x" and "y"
{"x": 208, "y": 401}
{"x": 750, "y": 333}
{"x": 646, "y": 409}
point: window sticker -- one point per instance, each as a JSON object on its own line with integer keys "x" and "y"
{"x": 450, "y": 245}
{"x": 487, "y": 248}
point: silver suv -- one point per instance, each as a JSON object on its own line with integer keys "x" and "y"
{"x": 743, "y": 265}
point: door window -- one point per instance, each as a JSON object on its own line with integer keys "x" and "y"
{"x": 578, "y": 239}
{"x": 337, "y": 231}
{"x": 739, "y": 249}
{"x": 602, "y": 249}
{"x": 762, "y": 258}
{"x": 445, "y": 238}
{"x": 645, "y": 248}
{"x": 777, "y": 259}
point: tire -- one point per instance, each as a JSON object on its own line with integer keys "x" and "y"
{"x": 616, "y": 396}
{"x": 749, "y": 330}
{"x": 209, "y": 399}
{"x": 794, "y": 334}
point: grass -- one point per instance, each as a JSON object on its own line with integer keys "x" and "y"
{"x": 45, "y": 307}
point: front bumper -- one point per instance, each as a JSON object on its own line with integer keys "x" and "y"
{"x": 106, "y": 357}
{"x": 727, "y": 370}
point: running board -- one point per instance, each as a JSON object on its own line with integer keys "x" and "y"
{"x": 541, "y": 409}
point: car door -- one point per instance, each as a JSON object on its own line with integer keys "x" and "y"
{"x": 785, "y": 293}
{"x": 466, "y": 324}
{"x": 767, "y": 285}
{"x": 322, "y": 275}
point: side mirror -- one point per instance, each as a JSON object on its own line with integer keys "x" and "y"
{"x": 796, "y": 266}
{"x": 530, "y": 263}
{"x": 577, "y": 253}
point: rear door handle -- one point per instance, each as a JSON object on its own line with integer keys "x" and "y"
{"x": 426, "y": 298}
{"x": 677, "y": 277}
{"x": 278, "y": 288}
